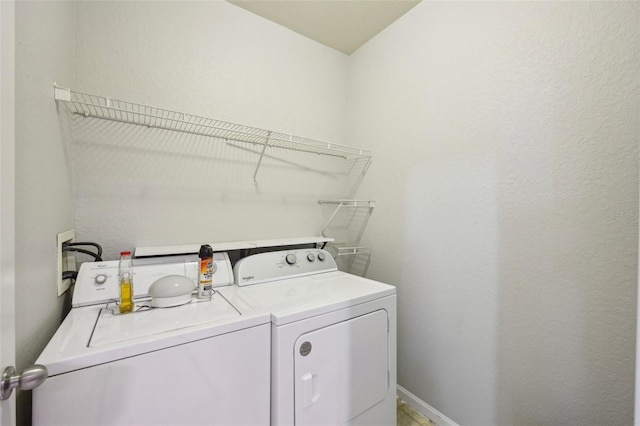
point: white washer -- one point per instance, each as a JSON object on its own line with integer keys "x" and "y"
{"x": 333, "y": 359}
{"x": 205, "y": 362}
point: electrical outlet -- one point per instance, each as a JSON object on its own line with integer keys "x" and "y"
{"x": 66, "y": 260}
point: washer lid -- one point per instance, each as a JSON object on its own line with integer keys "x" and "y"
{"x": 294, "y": 299}
{"x": 82, "y": 340}
{"x": 113, "y": 327}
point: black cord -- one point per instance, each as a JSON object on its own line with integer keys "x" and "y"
{"x": 72, "y": 275}
{"x": 79, "y": 250}
{"x": 96, "y": 245}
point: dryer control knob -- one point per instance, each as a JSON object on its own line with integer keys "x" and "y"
{"x": 321, "y": 257}
{"x": 311, "y": 257}
{"x": 291, "y": 259}
{"x": 100, "y": 279}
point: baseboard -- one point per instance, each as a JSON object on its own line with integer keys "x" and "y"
{"x": 425, "y": 409}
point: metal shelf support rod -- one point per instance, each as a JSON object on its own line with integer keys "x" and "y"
{"x": 264, "y": 147}
{"x": 335, "y": 212}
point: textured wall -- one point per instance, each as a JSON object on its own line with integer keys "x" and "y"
{"x": 44, "y": 52}
{"x": 510, "y": 224}
{"x": 135, "y": 186}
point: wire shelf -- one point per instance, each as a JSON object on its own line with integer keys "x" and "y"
{"x": 350, "y": 203}
{"x": 348, "y": 250}
{"x": 370, "y": 204}
{"x": 144, "y": 115}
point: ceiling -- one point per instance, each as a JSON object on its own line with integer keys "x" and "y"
{"x": 344, "y": 25}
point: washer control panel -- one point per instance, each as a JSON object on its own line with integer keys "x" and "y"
{"x": 97, "y": 282}
{"x": 275, "y": 265}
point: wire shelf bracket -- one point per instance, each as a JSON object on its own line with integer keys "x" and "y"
{"x": 264, "y": 148}
{"x": 105, "y": 108}
{"x": 344, "y": 203}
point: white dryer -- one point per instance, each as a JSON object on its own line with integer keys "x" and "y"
{"x": 204, "y": 362}
{"x": 333, "y": 359}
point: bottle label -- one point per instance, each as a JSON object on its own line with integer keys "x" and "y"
{"x": 125, "y": 273}
{"x": 206, "y": 274}
{"x": 126, "y": 295}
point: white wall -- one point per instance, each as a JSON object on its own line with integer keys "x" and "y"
{"x": 44, "y": 52}
{"x": 135, "y": 186}
{"x": 505, "y": 141}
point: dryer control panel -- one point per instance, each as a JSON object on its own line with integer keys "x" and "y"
{"x": 276, "y": 265}
{"x": 97, "y": 282}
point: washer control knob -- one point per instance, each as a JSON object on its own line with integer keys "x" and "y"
{"x": 291, "y": 259}
{"x": 100, "y": 279}
{"x": 321, "y": 257}
{"x": 311, "y": 257}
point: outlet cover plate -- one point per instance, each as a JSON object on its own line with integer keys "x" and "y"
{"x": 65, "y": 260}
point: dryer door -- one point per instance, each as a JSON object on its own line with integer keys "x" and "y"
{"x": 341, "y": 370}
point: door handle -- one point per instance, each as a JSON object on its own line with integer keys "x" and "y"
{"x": 307, "y": 390}
{"x": 30, "y": 378}
{"x": 310, "y": 389}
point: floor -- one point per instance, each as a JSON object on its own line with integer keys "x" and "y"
{"x": 407, "y": 416}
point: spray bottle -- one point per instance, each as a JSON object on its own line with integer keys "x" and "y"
{"x": 205, "y": 275}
